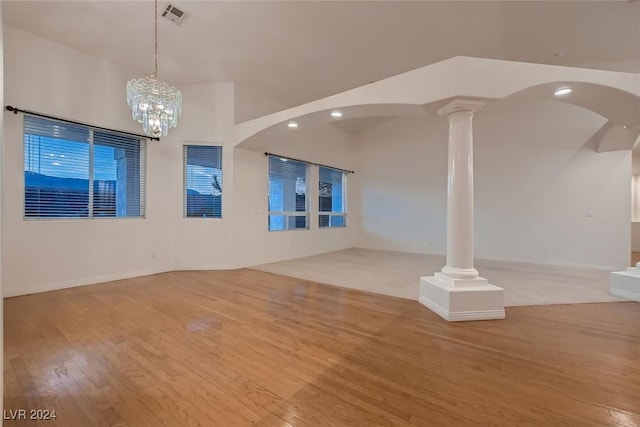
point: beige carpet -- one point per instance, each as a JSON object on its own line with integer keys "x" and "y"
{"x": 397, "y": 274}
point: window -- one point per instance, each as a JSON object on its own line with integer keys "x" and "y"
{"x": 288, "y": 206}
{"x": 202, "y": 181}
{"x": 76, "y": 171}
{"x": 331, "y": 200}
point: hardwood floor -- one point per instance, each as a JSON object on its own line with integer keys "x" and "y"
{"x": 248, "y": 348}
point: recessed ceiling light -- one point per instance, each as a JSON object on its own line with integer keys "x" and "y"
{"x": 563, "y": 91}
{"x": 625, "y": 126}
{"x": 292, "y": 124}
{"x": 336, "y": 113}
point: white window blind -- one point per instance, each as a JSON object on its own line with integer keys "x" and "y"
{"x": 76, "y": 171}
{"x": 331, "y": 197}
{"x": 202, "y": 181}
{"x": 288, "y": 204}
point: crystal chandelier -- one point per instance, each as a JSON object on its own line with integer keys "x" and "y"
{"x": 154, "y": 104}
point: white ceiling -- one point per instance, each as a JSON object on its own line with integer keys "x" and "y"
{"x": 298, "y": 51}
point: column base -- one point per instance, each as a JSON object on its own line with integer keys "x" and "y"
{"x": 453, "y": 301}
{"x": 625, "y": 284}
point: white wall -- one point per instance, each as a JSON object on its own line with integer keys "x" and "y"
{"x": 635, "y": 236}
{"x": 254, "y": 243}
{"x": 250, "y": 103}
{"x": 202, "y": 243}
{"x": 403, "y": 164}
{"x": 536, "y": 183}
{"x": 46, "y": 77}
{"x": 544, "y": 194}
{"x": 635, "y": 162}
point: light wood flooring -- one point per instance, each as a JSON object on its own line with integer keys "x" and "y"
{"x": 249, "y": 348}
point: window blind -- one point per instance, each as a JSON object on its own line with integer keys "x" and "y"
{"x": 331, "y": 197}
{"x": 288, "y": 204}
{"x": 202, "y": 181}
{"x": 76, "y": 171}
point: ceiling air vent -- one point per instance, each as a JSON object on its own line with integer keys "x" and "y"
{"x": 174, "y": 14}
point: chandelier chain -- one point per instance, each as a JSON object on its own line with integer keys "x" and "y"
{"x": 153, "y": 103}
{"x": 155, "y": 70}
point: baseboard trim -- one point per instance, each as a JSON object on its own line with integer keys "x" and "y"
{"x": 461, "y": 316}
{"x": 14, "y": 292}
{"x": 435, "y": 307}
{"x": 478, "y": 315}
{"x": 554, "y": 264}
{"x": 625, "y": 294}
{"x": 511, "y": 260}
{"x": 199, "y": 267}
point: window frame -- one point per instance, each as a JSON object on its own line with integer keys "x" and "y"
{"x": 91, "y": 130}
{"x": 185, "y": 147}
{"x": 285, "y": 213}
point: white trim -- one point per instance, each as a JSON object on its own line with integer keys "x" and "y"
{"x": 555, "y": 263}
{"x": 8, "y": 292}
{"x": 477, "y": 315}
{"x": 514, "y": 260}
{"x": 191, "y": 267}
{"x": 460, "y": 316}
{"x": 435, "y": 307}
{"x": 625, "y": 284}
{"x": 625, "y": 294}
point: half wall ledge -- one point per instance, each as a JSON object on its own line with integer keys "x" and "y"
{"x": 625, "y": 284}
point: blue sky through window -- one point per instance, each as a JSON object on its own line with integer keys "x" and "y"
{"x": 67, "y": 159}
{"x": 56, "y": 157}
{"x": 200, "y": 179}
{"x": 105, "y": 166}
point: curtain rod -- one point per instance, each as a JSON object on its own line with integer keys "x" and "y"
{"x": 73, "y": 122}
{"x": 310, "y": 163}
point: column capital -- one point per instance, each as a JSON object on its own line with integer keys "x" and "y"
{"x": 459, "y": 105}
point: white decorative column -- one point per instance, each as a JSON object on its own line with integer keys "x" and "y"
{"x": 458, "y": 292}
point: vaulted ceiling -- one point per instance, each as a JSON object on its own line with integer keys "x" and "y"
{"x": 298, "y": 51}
